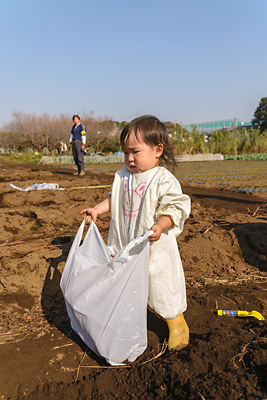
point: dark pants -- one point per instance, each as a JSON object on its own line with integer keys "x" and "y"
{"x": 78, "y": 154}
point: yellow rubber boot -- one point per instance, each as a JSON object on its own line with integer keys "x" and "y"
{"x": 178, "y": 333}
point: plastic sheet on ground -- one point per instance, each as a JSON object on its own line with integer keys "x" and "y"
{"x": 38, "y": 186}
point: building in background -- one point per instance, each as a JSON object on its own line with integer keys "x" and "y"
{"x": 211, "y": 126}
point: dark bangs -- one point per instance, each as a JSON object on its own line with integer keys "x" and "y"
{"x": 153, "y": 132}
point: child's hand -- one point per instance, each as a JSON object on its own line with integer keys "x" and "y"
{"x": 157, "y": 229}
{"x": 91, "y": 215}
{"x": 165, "y": 222}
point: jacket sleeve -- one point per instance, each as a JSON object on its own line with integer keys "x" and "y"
{"x": 83, "y": 134}
{"x": 172, "y": 202}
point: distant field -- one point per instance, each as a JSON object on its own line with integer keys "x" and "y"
{"x": 248, "y": 175}
{"x": 251, "y": 175}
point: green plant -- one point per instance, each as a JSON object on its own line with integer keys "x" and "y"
{"x": 257, "y": 157}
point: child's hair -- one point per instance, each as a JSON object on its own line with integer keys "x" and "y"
{"x": 74, "y": 116}
{"x": 153, "y": 132}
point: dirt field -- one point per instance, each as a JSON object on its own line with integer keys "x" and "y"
{"x": 224, "y": 253}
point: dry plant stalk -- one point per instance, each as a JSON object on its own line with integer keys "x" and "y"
{"x": 78, "y": 369}
{"x": 244, "y": 351}
{"x": 258, "y": 209}
{"x": 207, "y": 229}
{"x": 162, "y": 351}
{"x": 235, "y": 281}
{"x": 255, "y": 212}
{"x": 11, "y": 243}
{"x": 73, "y": 205}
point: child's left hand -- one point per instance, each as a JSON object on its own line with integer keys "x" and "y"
{"x": 165, "y": 222}
{"x": 157, "y": 229}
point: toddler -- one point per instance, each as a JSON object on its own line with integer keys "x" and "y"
{"x": 143, "y": 196}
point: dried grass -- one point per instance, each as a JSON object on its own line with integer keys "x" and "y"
{"x": 161, "y": 351}
{"x": 23, "y": 324}
{"x": 235, "y": 280}
{"x": 244, "y": 351}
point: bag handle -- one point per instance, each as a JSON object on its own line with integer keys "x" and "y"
{"x": 78, "y": 237}
{"x": 79, "y": 234}
{"x": 123, "y": 255}
{"x": 65, "y": 278}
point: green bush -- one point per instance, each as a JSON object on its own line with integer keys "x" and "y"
{"x": 111, "y": 145}
{"x": 243, "y": 157}
{"x": 23, "y": 157}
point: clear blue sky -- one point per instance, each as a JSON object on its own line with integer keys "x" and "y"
{"x": 181, "y": 60}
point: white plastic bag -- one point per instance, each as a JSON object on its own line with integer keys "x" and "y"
{"x": 106, "y": 297}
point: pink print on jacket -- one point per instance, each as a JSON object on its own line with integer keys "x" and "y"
{"x": 136, "y": 196}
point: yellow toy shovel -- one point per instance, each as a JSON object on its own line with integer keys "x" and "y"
{"x": 237, "y": 313}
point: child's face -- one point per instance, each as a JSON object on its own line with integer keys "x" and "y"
{"x": 139, "y": 156}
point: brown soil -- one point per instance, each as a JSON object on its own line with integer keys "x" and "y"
{"x": 224, "y": 253}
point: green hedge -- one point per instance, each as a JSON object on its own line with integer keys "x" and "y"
{"x": 262, "y": 156}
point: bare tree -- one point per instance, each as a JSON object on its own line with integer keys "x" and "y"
{"x": 29, "y": 131}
